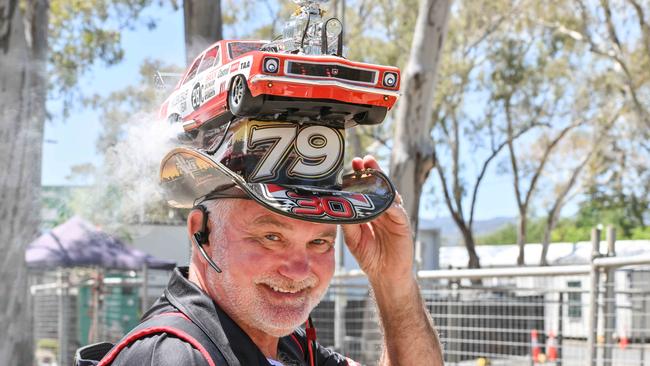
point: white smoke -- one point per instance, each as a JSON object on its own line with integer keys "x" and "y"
{"x": 127, "y": 185}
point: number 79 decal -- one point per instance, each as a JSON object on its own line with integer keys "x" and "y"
{"x": 319, "y": 150}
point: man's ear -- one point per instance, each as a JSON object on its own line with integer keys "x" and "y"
{"x": 197, "y": 223}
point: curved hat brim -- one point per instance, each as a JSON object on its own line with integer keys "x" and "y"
{"x": 189, "y": 175}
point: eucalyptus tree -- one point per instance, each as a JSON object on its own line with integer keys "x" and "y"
{"x": 23, "y": 84}
{"x": 45, "y": 46}
{"x": 203, "y": 25}
{"x": 412, "y": 155}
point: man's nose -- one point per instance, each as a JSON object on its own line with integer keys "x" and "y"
{"x": 296, "y": 264}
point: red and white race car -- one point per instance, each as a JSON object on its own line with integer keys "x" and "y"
{"x": 243, "y": 79}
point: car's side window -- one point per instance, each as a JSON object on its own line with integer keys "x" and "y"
{"x": 210, "y": 59}
{"x": 192, "y": 73}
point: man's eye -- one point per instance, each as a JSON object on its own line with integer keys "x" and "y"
{"x": 272, "y": 237}
{"x": 321, "y": 244}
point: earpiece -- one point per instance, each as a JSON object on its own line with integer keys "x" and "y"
{"x": 201, "y": 237}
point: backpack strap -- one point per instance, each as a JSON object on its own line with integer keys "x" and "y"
{"x": 175, "y": 324}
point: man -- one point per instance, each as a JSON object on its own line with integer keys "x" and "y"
{"x": 275, "y": 269}
{"x": 266, "y": 199}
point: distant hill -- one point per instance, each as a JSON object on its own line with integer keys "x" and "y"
{"x": 450, "y": 234}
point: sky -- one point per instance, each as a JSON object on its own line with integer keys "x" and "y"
{"x": 72, "y": 142}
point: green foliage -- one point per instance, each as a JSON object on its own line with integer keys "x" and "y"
{"x": 571, "y": 230}
{"x": 48, "y": 343}
{"x": 56, "y": 207}
{"x": 82, "y": 33}
{"x": 508, "y": 234}
{"x": 626, "y": 212}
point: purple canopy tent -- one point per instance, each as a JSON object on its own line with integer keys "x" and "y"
{"x": 78, "y": 243}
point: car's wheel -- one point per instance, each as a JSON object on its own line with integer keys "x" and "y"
{"x": 372, "y": 117}
{"x": 240, "y": 100}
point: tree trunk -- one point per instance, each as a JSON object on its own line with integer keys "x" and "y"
{"x": 468, "y": 238}
{"x": 412, "y": 157}
{"x": 23, "y": 86}
{"x": 202, "y": 25}
{"x": 521, "y": 237}
{"x": 551, "y": 221}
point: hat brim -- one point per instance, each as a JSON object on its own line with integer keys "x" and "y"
{"x": 189, "y": 175}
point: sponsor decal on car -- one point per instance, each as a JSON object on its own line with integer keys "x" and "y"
{"x": 196, "y": 98}
{"x": 234, "y": 67}
{"x": 180, "y": 102}
{"x": 222, "y": 72}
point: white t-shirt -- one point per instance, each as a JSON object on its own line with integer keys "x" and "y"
{"x": 274, "y": 362}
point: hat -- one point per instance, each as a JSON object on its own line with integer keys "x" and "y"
{"x": 293, "y": 169}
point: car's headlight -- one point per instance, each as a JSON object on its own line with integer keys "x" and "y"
{"x": 390, "y": 79}
{"x": 271, "y": 65}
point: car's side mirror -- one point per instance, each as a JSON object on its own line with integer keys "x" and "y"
{"x": 159, "y": 79}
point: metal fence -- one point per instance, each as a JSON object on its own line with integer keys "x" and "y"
{"x": 594, "y": 314}
{"x": 75, "y": 307}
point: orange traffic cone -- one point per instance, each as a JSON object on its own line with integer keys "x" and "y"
{"x": 551, "y": 347}
{"x": 535, "y": 350}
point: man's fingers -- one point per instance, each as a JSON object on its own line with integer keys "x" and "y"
{"x": 369, "y": 162}
{"x": 357, "y": 164}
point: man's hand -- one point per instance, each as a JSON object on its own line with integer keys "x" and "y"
{"x": 384, "y": 250}
{"x": 383, "y": 247}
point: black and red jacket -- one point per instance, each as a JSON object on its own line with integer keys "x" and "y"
{"x": 186, "y": 327}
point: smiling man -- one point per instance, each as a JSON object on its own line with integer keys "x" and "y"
{"x": 263, "y": 255}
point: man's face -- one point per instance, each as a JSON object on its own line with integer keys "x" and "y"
{"x": 275, "y": 268}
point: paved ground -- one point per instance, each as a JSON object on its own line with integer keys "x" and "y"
{"x": 574, "y": 353}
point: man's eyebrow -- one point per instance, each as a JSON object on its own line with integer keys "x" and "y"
{"x": 270, "y": 220}
{"x": 329, "y": 233}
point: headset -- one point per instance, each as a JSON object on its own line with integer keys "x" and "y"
{"x": 201, "y": 237}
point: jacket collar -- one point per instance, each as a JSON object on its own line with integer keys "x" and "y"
{"x": 197, "y": 305}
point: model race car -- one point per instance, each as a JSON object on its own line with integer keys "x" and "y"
{"x": 300, "y": 77}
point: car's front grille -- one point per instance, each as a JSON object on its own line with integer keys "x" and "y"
{"x": 331, "y": 71}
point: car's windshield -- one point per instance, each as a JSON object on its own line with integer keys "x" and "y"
{"x": 236, "y": 49}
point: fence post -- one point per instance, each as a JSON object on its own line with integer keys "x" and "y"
{"x": 62, "y": 321}
{"x": 592, "y": 328}
{"x": 643, "y": 332}
{"x": 453, "y": 343}
{"x": 610, "y": 300}
{"x": 145, "y": 289}
{"x": 560, "y": 329}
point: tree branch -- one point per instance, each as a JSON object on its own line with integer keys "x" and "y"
{"x": 486, "y": 163}
{"x": 544, "y": 159}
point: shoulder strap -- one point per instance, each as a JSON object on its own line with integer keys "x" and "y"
{"x": 173, "y": 323}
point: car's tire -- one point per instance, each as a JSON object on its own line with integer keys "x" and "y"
{"x": 240, "y": 101}
{"x": 372, "y": 117}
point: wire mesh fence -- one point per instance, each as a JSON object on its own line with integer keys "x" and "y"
{"x": 595, "y": 314}
{"x": 76, "y": 307}
{"x": 516, "y": 316}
